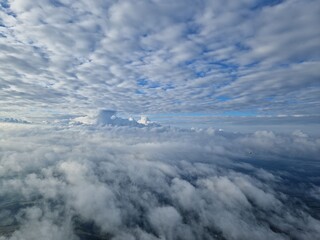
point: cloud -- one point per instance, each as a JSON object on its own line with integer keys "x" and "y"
{"x": 13, "y": 120}
{"x": 121, "y": 182}
{"x": 108, "y": 117}
{"x": 244, "y": 122}
{"x": 71, "y": 57}
{"x": 104, "y": 176}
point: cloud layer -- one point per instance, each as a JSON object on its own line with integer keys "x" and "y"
{"x": 156, "y": 183}
{"x": 159, "y": 56}
{"x": 77, "y": 178}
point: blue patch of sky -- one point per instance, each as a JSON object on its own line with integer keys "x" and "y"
{"x": 207, "y": 66}
{"x": 148, "y": 84}
{"x": 291, "y": 101}
{"x": 167, "y": 87}
{"x": 142, "y": 82}
{"x": 239, "y": 113}
{"x": 202, "y": 68}
{"x": 224, "y": 65}
{"x": 139, "y": 92}
{"x": 227, "y": 81}
{"x": 153, "y": 85}
{"x": 201, "y": 74}
{"x": 242, "y": 46}
{"x": 269, "y": 99}
{"x": 223, "y": 98}
{"x": 265, "y": 3}
{"x": 189, "y": 62}
{"x": 250, "y": 113}
{"x": 56, "y": 3}
{"x": 182, "y": 114}
{"x": 193, "y": 28}
{"x": 288, "y": 65}
{"x": 252, "y": 64}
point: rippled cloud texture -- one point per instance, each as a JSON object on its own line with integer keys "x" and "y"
{"x": 114, "y": 182}
{"x": 159, "y": 56}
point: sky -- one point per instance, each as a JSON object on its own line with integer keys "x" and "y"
{"x": 159, "y": 120}
{"x": 218, "y": 58}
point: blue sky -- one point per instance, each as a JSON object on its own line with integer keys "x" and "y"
{"x": 76, "y": 160}
{"x": 226, "y": 58}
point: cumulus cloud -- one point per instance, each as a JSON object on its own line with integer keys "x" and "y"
{"x": 120, "y": 182}
{"x": 108, "y": 117}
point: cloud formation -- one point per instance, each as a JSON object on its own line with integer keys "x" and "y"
{"x": 108, "y": 117}
{"x": 13, "y": 120}
{"x": 124, "y": 182}
{"x": 159, "y": 56}
{"x": 80, "y": 177}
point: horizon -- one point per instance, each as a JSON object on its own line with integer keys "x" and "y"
{"x": 159, "y": 120}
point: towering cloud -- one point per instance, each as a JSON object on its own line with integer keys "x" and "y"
{"x": 108, "y": 117}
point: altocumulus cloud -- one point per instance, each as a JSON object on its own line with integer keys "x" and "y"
{"x": 159, "y": 56}
{"x": 119, "y": 182}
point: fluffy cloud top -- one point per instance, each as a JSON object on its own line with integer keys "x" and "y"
{"x": 110, "y": 118}
{"x": 112, "y": 182}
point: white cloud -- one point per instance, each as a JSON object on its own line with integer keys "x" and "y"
{"x": 153, "y": 183}
{"x": 76, "y": 56}
{"x": 119, "y": 178}
{"x": 109, "y": 118}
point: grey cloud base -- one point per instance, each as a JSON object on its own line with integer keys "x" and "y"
{"x": 151, "y": 183}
